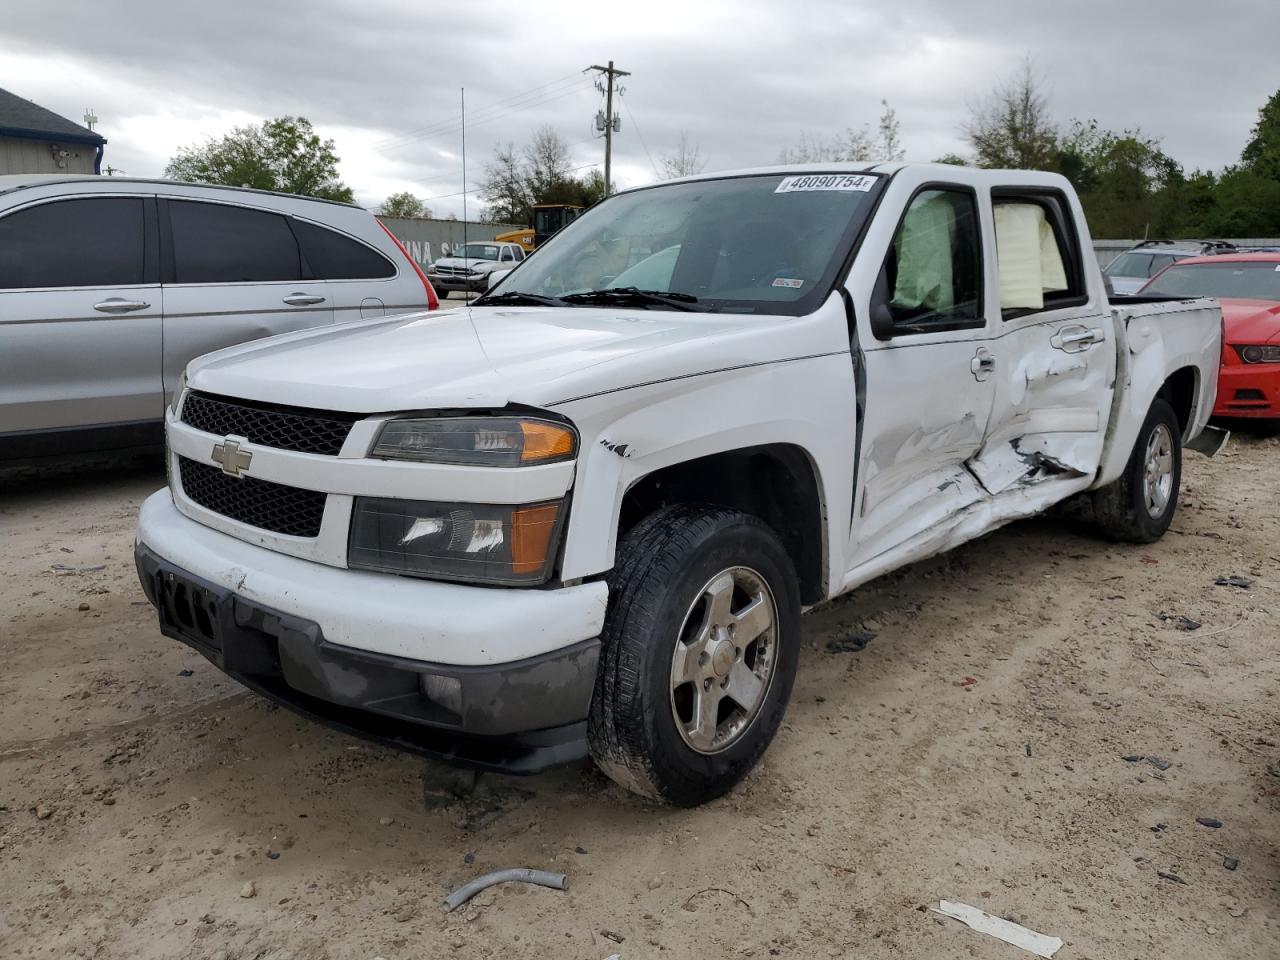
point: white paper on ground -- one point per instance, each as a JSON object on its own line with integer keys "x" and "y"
{"x": 1013, "y": 933}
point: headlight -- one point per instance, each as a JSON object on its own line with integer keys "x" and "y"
{"x": 175, "y": 402}
{"x": 477, "y": 441}
{"x": 1259, "y": 353}
{"x": 472, "y": 543}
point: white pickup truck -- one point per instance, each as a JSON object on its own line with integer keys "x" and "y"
{"x": 583, "y": 515}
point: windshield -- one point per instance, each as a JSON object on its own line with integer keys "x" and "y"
{"x": 760, "y": 244}
{"x": 1130, "y": 265}
{"x": 1232, "y": 280}
{"x": 477, "y": 251}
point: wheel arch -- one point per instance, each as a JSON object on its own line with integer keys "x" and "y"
{"x": 777, "y": 482}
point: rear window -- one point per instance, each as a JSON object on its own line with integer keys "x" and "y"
{"x": 90, "y": 242}
{"x": 1242, "y": 281}
{"x": 216, "y": 243}
{"x": 334, "y": 256}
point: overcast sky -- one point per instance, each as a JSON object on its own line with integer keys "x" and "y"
{"x": 744, "y": 78}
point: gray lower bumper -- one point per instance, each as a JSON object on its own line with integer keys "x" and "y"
{"x": 516, "y": 717}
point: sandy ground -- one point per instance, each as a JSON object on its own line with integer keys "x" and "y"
{"x": 140, "y": 791}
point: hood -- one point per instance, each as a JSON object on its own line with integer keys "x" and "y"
{"x": 470, "y": 262}
{"x": 1251, "y": 321}
{"x": 487, "y": 357}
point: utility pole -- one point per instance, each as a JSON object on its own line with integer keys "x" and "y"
{"x": 610, "y": 121}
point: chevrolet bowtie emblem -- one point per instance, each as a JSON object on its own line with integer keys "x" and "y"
{"x": 232, "y": 459}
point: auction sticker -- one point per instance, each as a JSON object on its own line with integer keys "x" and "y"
{"x": 787, "y": 282}
{"x": 826, "y": 181}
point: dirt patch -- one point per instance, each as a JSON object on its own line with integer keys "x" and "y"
{"x": 996, "y": 744}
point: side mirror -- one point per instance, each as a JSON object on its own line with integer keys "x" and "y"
{"x": 882, "y": 325}
{"x": 881, "y": 317}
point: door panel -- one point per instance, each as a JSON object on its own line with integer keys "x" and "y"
{"x": 929, "y": 373}
{"x": 1053, "y": 395}
{"x": 234, "y": 274}
{"x": 916, "y": 441}
{"x": 79, "y": 321}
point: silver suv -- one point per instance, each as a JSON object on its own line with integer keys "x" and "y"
{"x": 1130, "y": 271}
{"x": 109, "y": 287}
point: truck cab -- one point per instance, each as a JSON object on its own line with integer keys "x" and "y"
{"x": 584, "y": 515}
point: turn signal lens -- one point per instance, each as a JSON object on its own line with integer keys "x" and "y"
{"x": 545, "y": 441}
{"x": 531, "y": 530}
{"x": 477, "y": 441}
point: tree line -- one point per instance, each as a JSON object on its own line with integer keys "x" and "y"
{"x": 1127, "y": 183}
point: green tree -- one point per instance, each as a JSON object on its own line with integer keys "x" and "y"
{"x": 1261, "y": 154}
{"x": 284, "y": 154}
{"x": 1125, "y": 181}
{"x": 1012, "y": 127}
{"x": 516, "y": 180}
{"x": 404, "y": 205}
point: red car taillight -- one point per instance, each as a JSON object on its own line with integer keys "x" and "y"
{"x": 433, "y": 302}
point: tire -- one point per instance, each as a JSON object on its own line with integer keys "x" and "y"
{"x": 1121, "y": 508}
{"x": 442, "y": 295}
{"x": 673, "y": 571}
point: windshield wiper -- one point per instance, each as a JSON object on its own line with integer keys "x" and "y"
{"x": 633, "y": 295}
{"x": 518, "y": 298}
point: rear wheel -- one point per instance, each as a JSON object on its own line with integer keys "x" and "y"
{"x": 698, "y": 653}
{"x": 1139, "y": 505}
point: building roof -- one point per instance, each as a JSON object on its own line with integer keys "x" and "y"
{"x": 22, "y": 118}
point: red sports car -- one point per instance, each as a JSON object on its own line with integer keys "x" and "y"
{"x": 1248, "y": 285}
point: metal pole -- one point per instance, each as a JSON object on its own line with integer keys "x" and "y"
{"x": 609, "y": 72}
{"x": 463, "y": 91}
{"x": 608, "y": 128}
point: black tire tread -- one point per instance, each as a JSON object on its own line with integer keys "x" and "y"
{"x": 647, "y": 556}
{"x": 1115, "y": 507}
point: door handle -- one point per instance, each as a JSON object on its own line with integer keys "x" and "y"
{"x": 119, "y": 305}
{"x": 302, "y": 299}
{"x": 983, "y": 364}
{"x": 1076, "y": 338}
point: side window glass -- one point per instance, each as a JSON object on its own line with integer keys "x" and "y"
{"x": 507, "y": 255}
{"x": 1037, "y": 266}
{"x": 334, "y": 256}
{"x": 90, "y": 242}
{"x": 517, "y": 253}
{"x": 932, "y": 275}
{"x": 216, "y": 243}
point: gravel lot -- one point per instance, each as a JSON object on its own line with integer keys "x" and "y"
{"x": 974, "y": 751}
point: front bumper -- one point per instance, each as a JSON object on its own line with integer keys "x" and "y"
{"x": 476, "y": 284}
{"x": 1248, "y": 390}
{"x": 518, "y": 715}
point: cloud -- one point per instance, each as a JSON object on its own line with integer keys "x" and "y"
{"x": 381, "y": 77}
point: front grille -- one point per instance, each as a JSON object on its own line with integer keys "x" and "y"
{"x": 285, "y": 428}
{"x": 259, "y": 503}
{"x": 453, "y": 271}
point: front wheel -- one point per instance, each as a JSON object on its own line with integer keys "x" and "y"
{"x": 1138, "y": 506}
{"x": 698, "y": 654}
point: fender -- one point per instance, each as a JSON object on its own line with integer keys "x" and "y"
{"x": 629, "y": 434}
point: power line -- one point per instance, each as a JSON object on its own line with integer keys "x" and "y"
{"x": 452, "y": 126}
{"x": 430, "y": 127}
{"x": 632, "y": 117}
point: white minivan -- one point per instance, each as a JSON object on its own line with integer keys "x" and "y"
{"x": 110, "y": 286}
